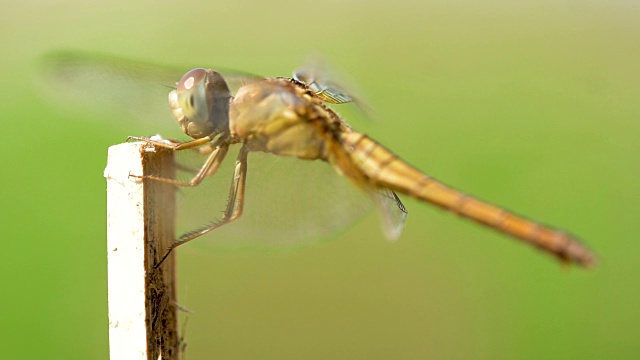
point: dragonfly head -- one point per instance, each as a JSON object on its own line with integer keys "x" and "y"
{"x": 200, "y": 103}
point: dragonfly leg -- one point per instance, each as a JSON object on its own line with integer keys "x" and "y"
{"x": 234, "y": 208}
{"x": 209, "y": 168}
{"x": 172, "y": 145}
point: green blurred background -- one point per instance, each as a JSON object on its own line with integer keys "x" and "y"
{"x": 533, "y": 105}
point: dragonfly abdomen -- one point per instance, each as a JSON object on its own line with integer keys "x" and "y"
{"x": 384, "y": 169}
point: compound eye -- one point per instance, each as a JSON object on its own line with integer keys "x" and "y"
{"x": 191, "y": 79}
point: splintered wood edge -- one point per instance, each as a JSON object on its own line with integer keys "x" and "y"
{"x": 140, "y": 226}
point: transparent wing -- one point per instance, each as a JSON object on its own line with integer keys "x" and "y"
{"x": 392, "y": 212}
{"x": 325, "y": 84}
{"x": 289, "y": 203}
{"x": 329, "y": 92}
{"x": 133, "y": 94}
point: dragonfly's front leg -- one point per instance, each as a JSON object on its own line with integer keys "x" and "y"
{"x": 234, "y": 208}
{"x": 173, "y": 146}
{"x": 209, "y": 168}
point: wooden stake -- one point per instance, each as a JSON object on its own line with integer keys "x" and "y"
{"x": 140, "y": 226}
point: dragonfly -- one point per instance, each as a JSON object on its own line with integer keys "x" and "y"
{"x": 293, "y": 118}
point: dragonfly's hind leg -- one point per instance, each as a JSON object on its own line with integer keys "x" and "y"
{"x": 234, "y": 208}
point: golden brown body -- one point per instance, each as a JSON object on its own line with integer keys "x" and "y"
{"x": 283, "y": 117}
{"x": 286, "y": 117}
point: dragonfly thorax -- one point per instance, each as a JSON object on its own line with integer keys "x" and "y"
{"x": 278, "y": 117}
